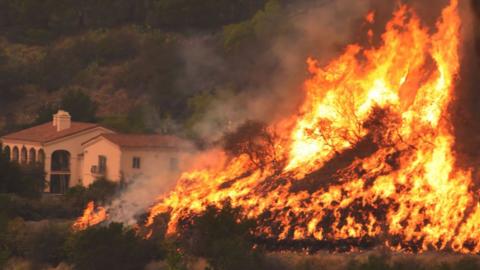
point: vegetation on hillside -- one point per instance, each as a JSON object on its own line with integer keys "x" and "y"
{"x": 131, "y": 58}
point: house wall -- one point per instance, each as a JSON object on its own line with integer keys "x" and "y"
{"x": 155, "y": 163}
{"x": 92, "y": 151}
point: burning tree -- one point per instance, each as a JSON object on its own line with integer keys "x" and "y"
{"x": 255, "y": 140}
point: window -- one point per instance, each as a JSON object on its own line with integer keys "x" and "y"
{"x": 32, "y": 154}
{"x": 102, "y": 164}
{"x": 174, "y": 164}
{"x": 15, "y": 154}
{"x": 41, "y": 156}
{"x": 6, "y": 152}
{"x": 136, "y": 163}
{"x": 60, "y": 161}
{"x": 23, "y": 157}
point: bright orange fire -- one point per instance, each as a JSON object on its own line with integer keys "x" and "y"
{"x": 91, "y": 217}
{"x": 368, "y": 155}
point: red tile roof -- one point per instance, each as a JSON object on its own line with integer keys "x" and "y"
{"x": 145, "y": 140}
{"x": 47, "y": 132}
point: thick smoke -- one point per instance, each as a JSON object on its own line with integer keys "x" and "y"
{"x": 139, "y": 196}
{"x": 271, "y": 88}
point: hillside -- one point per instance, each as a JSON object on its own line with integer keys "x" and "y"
{"x": 123, "y": 54}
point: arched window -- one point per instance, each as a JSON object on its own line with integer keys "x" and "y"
{"x": 41, "y": 156}
{"x": 60, "y": 172}
{"x": 6, "y": 152}
{"x": 23, "y": 155}
{"x": 32, "y": 155}
{"x": 60, "y": 161}
{"x": 15, "y": 154}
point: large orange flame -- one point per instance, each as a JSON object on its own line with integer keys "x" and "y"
{"x": 389, "y": 105}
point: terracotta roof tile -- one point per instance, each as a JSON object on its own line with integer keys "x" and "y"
{"x": 145, "y": 140}
{"x": 47, "y": 132}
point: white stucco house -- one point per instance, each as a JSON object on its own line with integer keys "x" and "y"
{"x": 77, "y": 153}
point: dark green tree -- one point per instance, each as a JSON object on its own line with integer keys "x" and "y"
{"x": 102, "y": 190}
{"x": 25, "y": 180}
{"x": 133, "y": 122}
{"x": 32, "y": 182}
{"x": 80, "y": 106}
{"x": 45, "y": 113}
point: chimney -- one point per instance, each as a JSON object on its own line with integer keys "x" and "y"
{"x": 62, "y": 120}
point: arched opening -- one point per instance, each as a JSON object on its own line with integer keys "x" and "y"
{"x": 41, "y": 156}
{"x": 32, "y": 155}
{"x": 60, "y": 171}
{"x": 61, "y": 161}
{"x": 15, "y": 154}
{"x": 7, "y": 152}
{"x": 23, "y": 155}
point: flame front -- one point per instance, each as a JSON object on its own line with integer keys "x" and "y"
{"x": 382, "y": 114}
{"x": 90, "y": 217}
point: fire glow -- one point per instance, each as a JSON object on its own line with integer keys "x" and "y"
{"x": 91, "y": 217}
{"x": 381, "y": 113}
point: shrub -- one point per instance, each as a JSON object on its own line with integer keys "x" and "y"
{"x": 16, "y": 237}
{"x": 39, "y": 242}
{"x": 218, "y": 236}
{"x": 102, "y": 190}
{"x": 4, "y": 251}
{"x": 25, "y": 180}
{"x": 112, "y": 247}
{"x": 34, "y": 209}
{"x": 32, "y": 182}
{"x": 47, "y": 244}
{"x": 9, "y": 172}
{"x": 77, "y": 197}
